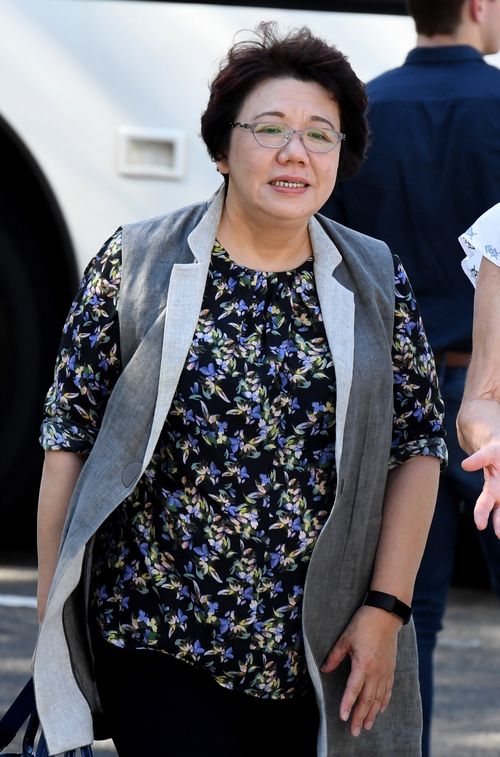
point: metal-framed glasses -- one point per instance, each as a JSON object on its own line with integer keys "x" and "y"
{"x": 314, "y": 139}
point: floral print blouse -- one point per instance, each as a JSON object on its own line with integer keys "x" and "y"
{"x": 206, "y": 559}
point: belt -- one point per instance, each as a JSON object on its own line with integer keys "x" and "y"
{"x": 453, "y": 359}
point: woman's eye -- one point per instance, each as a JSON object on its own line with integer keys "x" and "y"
{"x": 318, "y": 135}
{"x": 269, "y": 129}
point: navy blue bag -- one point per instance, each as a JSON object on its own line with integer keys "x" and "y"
{"x": 23, "y": 708}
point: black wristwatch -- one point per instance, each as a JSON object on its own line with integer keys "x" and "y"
{"x": 390, "y": 603}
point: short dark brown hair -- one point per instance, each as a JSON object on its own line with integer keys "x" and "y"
{"x": 436, "y": 16}
{"x": 297, "y": 54}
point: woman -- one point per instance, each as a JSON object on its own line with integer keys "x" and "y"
{"x": 240, "y": 377}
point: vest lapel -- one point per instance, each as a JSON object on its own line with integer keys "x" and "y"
{"x": 337, "y": 309}
{"x": 185, "y": 296}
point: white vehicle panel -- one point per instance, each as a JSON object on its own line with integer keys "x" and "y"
{"x": 74, "y": 75}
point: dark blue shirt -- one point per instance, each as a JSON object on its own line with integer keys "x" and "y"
{"x": 433, "y": 167}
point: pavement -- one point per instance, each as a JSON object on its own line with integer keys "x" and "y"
{"x": 467, "y": 697}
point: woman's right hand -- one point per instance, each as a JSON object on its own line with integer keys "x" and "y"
{"x": 370, "y": 640}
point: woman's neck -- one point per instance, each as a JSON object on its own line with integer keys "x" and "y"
{"x": 267, "y": 247}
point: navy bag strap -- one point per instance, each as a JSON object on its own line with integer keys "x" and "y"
{"x": 20, "y": 710}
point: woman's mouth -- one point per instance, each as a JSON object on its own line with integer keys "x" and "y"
{"x": 288, "y": 184}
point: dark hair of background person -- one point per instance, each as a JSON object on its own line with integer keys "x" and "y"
{"x": 297, "y": 54}
{"x": 436, "y": 16}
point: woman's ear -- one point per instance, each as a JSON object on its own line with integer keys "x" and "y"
{"x": 222, "y": 165}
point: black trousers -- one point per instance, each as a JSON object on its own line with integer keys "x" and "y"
{"x": 158, "y": 706}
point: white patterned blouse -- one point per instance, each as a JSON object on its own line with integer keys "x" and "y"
{"x": 482, "y": 239}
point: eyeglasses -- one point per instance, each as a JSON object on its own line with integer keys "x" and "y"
{"x": 278, "y": 135}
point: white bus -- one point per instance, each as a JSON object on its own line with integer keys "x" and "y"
{"x": 100, "y": 104}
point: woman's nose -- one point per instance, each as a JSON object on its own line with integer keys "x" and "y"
{"x": 294, "y": 149}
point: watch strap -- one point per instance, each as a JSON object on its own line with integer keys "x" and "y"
{"x": 389, "y": 603}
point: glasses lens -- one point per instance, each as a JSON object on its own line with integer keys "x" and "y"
{"x": 270, "y": 135}
{"x": 320, "y": 140}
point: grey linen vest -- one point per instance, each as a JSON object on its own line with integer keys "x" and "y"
{"x": 165, "y": 265}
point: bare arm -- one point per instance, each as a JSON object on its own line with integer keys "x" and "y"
{"x": 60, "y": 473}
{"x": 479, "y": 418}
{"x": 370, "y": 638}
{"x": 409, "y": 504}
{"x": 478, "y": 423}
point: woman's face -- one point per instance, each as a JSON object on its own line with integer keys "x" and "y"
{"x": 256, "y": 173}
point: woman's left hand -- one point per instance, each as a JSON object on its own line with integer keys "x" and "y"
{"x": 370, "y": 640}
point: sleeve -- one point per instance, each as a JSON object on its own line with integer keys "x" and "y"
{"x": 418, "y": 407}
{"x": 88, "y": 363}
{"x": 482, "y": 239}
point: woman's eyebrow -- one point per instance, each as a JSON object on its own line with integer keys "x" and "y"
{"x": 270, "y": 113}
{"x": 323, "y": 120}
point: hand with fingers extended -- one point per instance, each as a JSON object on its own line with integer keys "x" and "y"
{"x": 488, "y": 459}
{"x": 370, "y": 640}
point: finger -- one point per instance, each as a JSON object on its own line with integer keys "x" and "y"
{"x": 335, "y": 656}
{"x": 478, "y": 460}
{"x": 352, "y": 690}
{"x": 384, "y": 692}
{"x": 367, "y": 701}
{"x": 374, "y": 709}
{"x": 484, "y": 505}
{"x": 387, "y": 696}
{"x": 372, "y": 714}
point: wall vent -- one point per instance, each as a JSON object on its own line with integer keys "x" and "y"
{"x": 151, "y": 153}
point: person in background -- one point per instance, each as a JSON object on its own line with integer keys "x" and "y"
{"x": 432, "y": 168}
{"x": 246, "y": 417}
{"x": 478, "y": 421}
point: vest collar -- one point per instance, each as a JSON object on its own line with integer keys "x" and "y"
{"x": 201, "y": 239}
{"x": 325, "y": 252}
